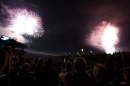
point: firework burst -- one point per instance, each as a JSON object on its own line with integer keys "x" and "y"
{"x": 26, "y": 23}
{"x": 105, "y": 37}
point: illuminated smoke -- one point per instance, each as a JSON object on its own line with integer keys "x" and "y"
{"x": 6, "y": 31}
{"x": 104, "y": 37}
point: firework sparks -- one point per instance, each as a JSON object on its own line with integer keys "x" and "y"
{"x": 105, "y": 37}
{"x": 110, "y": 38}
{"x": 26, "y": 22}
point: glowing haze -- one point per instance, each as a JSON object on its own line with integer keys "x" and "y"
{"x": 104, "y": 37}
{"x": 6, "y": 31}
{"x": 25, "y": 22}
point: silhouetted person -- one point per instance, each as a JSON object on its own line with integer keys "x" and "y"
{"x": 68, "y": 67}
{"x": 101, "y": 75}
{"x": 126, "y": 77}
{"x": 79, "y": 77}
{"x": 49, "y": 74}
{"x": 59, "y": 67}
{"x": 18, "y": 65}
{"x": 23, "y": 78}
{"x": 38, "y": 69}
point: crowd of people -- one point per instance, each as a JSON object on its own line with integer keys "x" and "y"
{"x": 88, "y": 70}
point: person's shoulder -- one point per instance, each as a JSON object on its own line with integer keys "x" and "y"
{"x": 64, "y": 70}
{"x": 66, "y": 74}
{"x": 123, "y": 84}
{"x": 62, "y": 74}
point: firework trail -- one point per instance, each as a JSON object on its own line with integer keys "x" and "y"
{"x": 105, "y": 37}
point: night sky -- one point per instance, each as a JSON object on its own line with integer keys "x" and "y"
{"x": 68, "y": 23}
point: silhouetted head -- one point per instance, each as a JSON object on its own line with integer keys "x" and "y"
{"x": 80, "y": 65}
{"x": 25, "y": 69}
{"x": 49, "y": 62}
{"x": 40, "y": 61}
{"x": 100, "y": 73}
{"x": 69, "y": 65}
{"x": 22, "y": 59}
{"x": 59, "y": 64}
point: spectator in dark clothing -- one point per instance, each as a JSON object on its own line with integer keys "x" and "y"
{"x": 101, "y": 75}
{"x": 29, "y": 61}
{"x": 91, "y": 69}
{"x": 15, "y": 61}
{"x": 126, "y": 77}
{"x": 38, "y": 69}
{"x": 118, "y": 75}
{"x": 110, "y": 72}
{"x": 59, "y": 67}
{"x": 68, "y": 67}
{"x": 49, "y": 74}
{"x": 77, "y": 78}
{"x": 23, "y": 78}
{"x": 3, "y": 64}
{"x": 17, "y": 67}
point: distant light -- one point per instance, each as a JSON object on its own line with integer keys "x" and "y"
{"x": 64, "y": 60}
{"x": 91, "y": 51}
{"x": 82, "y": 49}
{"x": 69, "y": 53}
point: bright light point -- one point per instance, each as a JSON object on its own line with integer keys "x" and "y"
{"x": 82, "y": 50}
{"x": 64, "y": 60}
